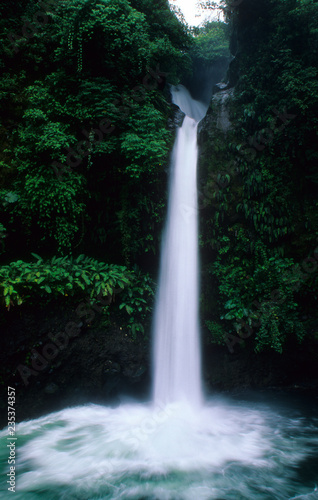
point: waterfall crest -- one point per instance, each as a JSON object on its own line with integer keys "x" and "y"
{"x": 192, "y": 108}
{"x": 177, "y": 364}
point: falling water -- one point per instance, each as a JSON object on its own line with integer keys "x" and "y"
{"x": 176, "y": 330}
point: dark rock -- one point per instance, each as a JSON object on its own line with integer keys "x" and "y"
{"x": 218, "y": 87}
{"x": 97, "y": 366}
{"x": 177, "y": 119}
{"x": 51, "y": 388}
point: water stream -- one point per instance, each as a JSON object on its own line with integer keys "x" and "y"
{"x": 177, "y": 373}
{"x": 179, "y": 446}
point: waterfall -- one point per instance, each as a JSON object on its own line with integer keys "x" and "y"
{"x": 176, "y": 350}
{"x": 173, "y": 447}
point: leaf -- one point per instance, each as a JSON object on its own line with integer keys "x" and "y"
{"x": 85, "y": 278}
{"x": 37, "y": 257}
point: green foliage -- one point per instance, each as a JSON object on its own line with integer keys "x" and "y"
{"x": 259, "y": 291}
{"x": 32, "y": 282}
{"x": 137, "y": 301}
{"x": 75, "y": 279}
{"x": 146, "y": 145}
{"x": 211, "y": 43}
{"x": 22, "y": 282}
{"x": 100, "y": 53}
{"x": 139, "y": 221}
{"x": 217, "y": 332}
{"x": 263, "y": 220}
{"x": 57, "y": 213}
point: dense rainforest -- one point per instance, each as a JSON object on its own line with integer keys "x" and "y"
{"x": 87, "y": 127}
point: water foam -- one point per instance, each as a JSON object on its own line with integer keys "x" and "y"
{"x": 227, "y": 449}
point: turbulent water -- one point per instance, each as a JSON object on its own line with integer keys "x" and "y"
{"x": 176, "y": 448}
{"x": 232, "y": 450}
{"x": 177, "y": 374}
{"x": 191, "y": 107}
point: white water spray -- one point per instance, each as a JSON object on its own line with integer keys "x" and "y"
{"x": 177, "y": 373}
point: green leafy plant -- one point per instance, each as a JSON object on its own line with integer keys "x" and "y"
{"x": 137, "y": 301}
{"x": 70, "y": 278}
{"x": 261, "y": 293}
{"x": 217, "y": 332}
{"x": 211, "y": 43}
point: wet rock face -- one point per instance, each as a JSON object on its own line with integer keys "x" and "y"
{"x": 218, "y": 115}
{"x": 177, "y": 119}
{"x": 219, "y": 87}
{"x": 99, "y": 365}
{"x": 117, "y": 379}
{"x": 221, "y": 101}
